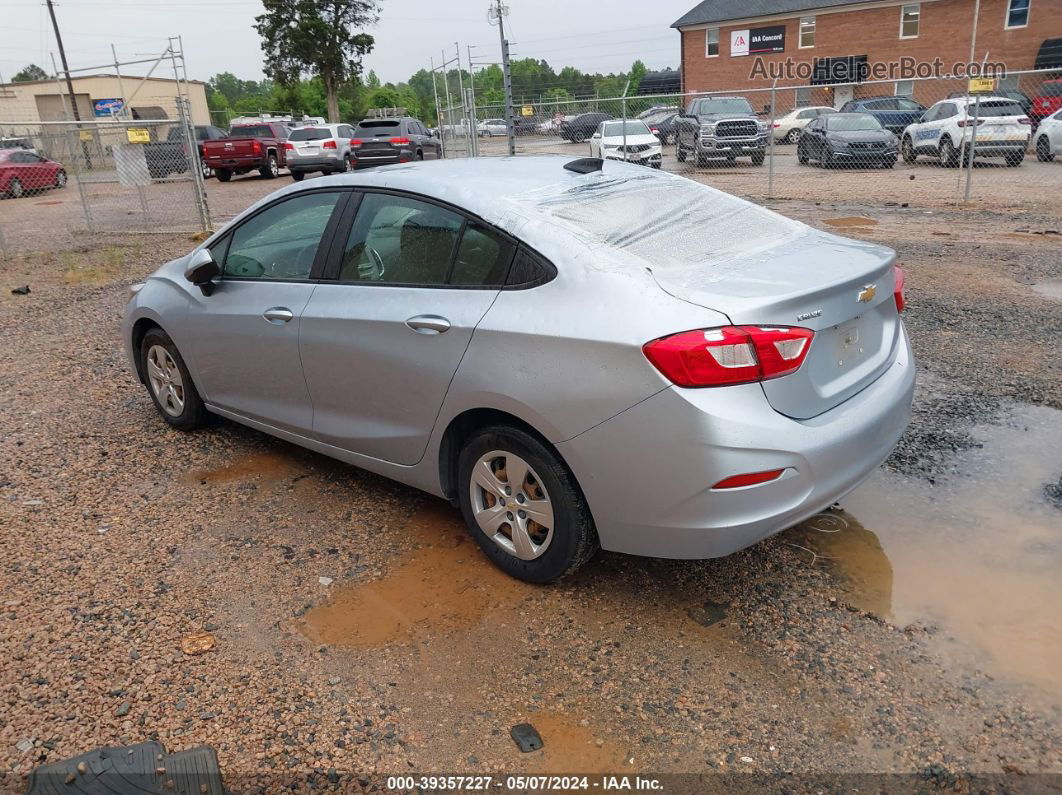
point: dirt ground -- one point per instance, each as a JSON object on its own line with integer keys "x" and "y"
{"x": 358, "y": 631}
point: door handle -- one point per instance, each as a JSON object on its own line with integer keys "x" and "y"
{"x": 278, "y": 314}
{"x": 428, "y": 324}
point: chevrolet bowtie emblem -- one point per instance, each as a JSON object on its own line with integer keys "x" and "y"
{"x": 867, "y": 293}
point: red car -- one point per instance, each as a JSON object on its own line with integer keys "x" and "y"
{"x": 1048, "y": 100}
{"x": 23, "y": 172}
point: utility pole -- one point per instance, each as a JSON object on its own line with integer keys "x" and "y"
{"x": 498, "y": 11}
{"x": 62, "y": 58}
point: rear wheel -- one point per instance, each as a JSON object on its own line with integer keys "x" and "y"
{"x": 298, "y": 176}
{"x": 907, "y": 150}
{"x": 271, "y": 169}
{"x": 888, "y": 162}
{"x": 794, "y": 135}
{"x": 168, "y": 382}
{"x": 523, "y": 506}
{"x": 1043, "y": 150}
{"x": 1015, "y": 159}
{"x": 204, "y": 169}
{"x": 947, "y": 154}
{"x": 223, "y": 174}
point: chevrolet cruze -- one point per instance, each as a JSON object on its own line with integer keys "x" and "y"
{"x": 579, "y": 354}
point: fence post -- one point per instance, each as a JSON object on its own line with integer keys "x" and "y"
{"x": 184, "y": 112}
{"x": 623, "y": 104}
{"x": 70, "y": 135}
{"x": 973, "y": 149}
{"x": 770, "y": 143}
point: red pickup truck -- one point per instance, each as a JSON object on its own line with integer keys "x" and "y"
{"x": 248, "y": 147}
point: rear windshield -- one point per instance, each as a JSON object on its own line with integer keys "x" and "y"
{"x": 997, "y": 108}
{"x": 701, "y": 107}
{"x": 252, "y": 131}
{"x": 633, "y": 128}
{"x": 309, "y": 134}
{"x": 376, "y": 125}
{"x": 842, "y": 122}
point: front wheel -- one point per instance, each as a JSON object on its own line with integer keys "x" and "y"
{"x": 888, "y": 162}
{"x": 802, "y": 155}
{"x": 223, "y": 175}
{"x": 907, "y": 150}
{"x": 1043, "y": 150}
{"x": 15, "y": 189}
{"x": 947, "y": 154}
{"x": 680, "y": 153}
{"x": 271, "y": 169}
{"x": 169, "y": 383}
{"x": 1015, "y": 159}
{"x": 60, "y": 179}
{"x": 523, "y": 506}
{"x": 758, "y": 158}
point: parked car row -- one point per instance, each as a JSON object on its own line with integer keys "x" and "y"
{"x": 23, "y": 171}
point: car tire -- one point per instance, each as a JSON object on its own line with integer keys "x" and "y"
{"x": 60, "y": 178}
{"x": 548, "y": 553}
{"x": 680, "y": 153}
{"x": 298, "y": 176}
{"x": 947, "y": 154}
{"x": 794, "y": 135}
{"x": 907, "y": 150}
{"x": 420, "y": 155}
{"x": 1015, "y": 160}
{"x": 271, "y": 169}
{"x": 205, "y": 170}
{"x": 15, "y": 189}
{"x": 888, "y": 162}
{"x": 223, "y": 175}
{"x": 169, "y": 384}
{"x": 802, "y": 155}
{"x": 758, "y": 158}
{"x": 1043, "y": 150}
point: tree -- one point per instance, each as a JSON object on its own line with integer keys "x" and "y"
{"x": 316, "y": 37}
{"x": 31, "y": 72}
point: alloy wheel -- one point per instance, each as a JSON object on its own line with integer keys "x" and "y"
{"x": 165, "y": 379}
{"x": 60, "y": 179}
{"x": 15, "y": 189}
{"x": 510, "y": 504}
{"x": 794, "y": 135}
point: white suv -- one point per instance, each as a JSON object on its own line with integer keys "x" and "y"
{"x": 945, "y": 131}
{"x": 1049, "y": 137}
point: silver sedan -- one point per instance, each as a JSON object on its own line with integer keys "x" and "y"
{"x": 579, "y": 354}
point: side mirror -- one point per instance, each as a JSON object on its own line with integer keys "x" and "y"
{"x": 596, "y": 135}
{"x": 202, "y": 270}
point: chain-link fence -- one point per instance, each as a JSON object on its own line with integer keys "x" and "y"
{"x": 915, "y": 142}
{"x": 142, "y": 176}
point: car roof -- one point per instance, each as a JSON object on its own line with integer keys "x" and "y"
{"x": 964, "y": 100}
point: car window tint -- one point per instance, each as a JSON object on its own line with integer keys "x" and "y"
{"x": 528, "y": 268}
{"x": 907, "y": 104}
{"x": 280, "y": 242}
{"x": 396, "y": 240}
{"x": 482, "y": 258}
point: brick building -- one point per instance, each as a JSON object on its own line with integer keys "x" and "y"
{"x": 844, "y": 41}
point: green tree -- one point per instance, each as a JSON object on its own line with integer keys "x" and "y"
{"x": 31, "y": 72}
{"x": 638, "y": 71}
{"x": 372, "y": 81}
{"x": 317, "y": 37}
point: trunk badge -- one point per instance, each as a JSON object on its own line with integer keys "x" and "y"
{"x": 867, "y": 293}
{"x": 809, "y": 315}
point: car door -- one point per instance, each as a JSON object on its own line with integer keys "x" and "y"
{"x": 244, "y": 337}
{"x": 382, "y": 338}
{"x": 1054, "y": 132}
{"x": 925, "y": 133}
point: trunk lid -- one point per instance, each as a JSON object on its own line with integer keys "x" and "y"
{"x": 233, "y": 147}
{"x": 840, "y": 289}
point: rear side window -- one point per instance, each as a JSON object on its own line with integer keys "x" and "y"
{"x": 482, "y": 258}
{"x": 529, "y": 270}
{"x": 310, "y": 134}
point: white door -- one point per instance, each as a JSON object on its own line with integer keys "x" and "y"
{"x": 843, "y": 94}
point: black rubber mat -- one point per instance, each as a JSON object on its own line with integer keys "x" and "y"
{"x": 133, "y": 770}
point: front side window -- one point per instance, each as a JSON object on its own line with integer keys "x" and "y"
{"x": 396, "y": 240}
{"x": 910, "y": 17}
{"x": 807, "y": 32}
{"x": 1018, "y": 13}
{"x": 280, "y": 242}
{"x": 711, "y": 42}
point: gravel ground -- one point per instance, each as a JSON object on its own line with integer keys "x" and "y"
{"x": 123, "y": 538}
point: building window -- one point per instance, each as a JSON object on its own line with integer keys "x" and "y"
{"x": 1018, "y": 13}
{"x": 807, "y": 32}
{"x": 904, "y": 88}
{"x": 910, "y": 16}
{"x": 711, "y": 43}
{"x": 803, "y": 97}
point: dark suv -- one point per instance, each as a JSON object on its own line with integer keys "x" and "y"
{"x": 377, "y": 142}
{"x": 579, "y": 128}
{"x": 894, "y": 113}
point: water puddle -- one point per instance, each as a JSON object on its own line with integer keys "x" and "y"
{"x": 569, "y": 746}
{"x": 978, "y": 555}
{"x": 1050, "y": 289}
{"x": 253, "y": 466}
{"x": 446, "y": 583}
{"x": 850, "y": 221}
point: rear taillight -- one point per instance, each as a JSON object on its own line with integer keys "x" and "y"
{"x": 729, "y": 355}
{"x": 399, "y": 141}
{"x": 289, "y": 147}
{"x": 355, "y": 142}
{"x": 777, "y": 124}
{"x": 969, "y": 122}
{"x": 328, "y": 145}
{"x": 897, "y": 290}
{"x": 256, "y": 147}
{"x": 1025, "y": 120}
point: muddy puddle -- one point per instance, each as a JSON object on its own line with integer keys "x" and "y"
{"x": 977, "y": 556}
{"x": 849, "y": 221}
{"x": 447, "y": 583}
{"x": 252, "y": 466}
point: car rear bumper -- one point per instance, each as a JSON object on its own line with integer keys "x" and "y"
{"x": 647, "y": 473}
{"x": 384, "y": 157}
{"x": 316, "y": 163}
{"x": 248, "y": 163}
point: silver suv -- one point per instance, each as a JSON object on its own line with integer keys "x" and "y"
{"x": 325, "y": 148}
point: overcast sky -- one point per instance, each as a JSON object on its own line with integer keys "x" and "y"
{"x": 219, "y": 35}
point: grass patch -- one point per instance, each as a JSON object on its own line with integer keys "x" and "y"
{"x": 92, "y": 266}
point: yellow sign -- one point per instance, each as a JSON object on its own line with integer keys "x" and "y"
{"x": 982, "y": 85}
{"x": 138, "y": 135}
{"x": 527, "y": 110}
{"x": 85, "y": 135}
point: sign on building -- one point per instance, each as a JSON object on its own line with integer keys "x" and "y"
{"x": 757, "y": 41}
{"x": 108, "y": 107}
